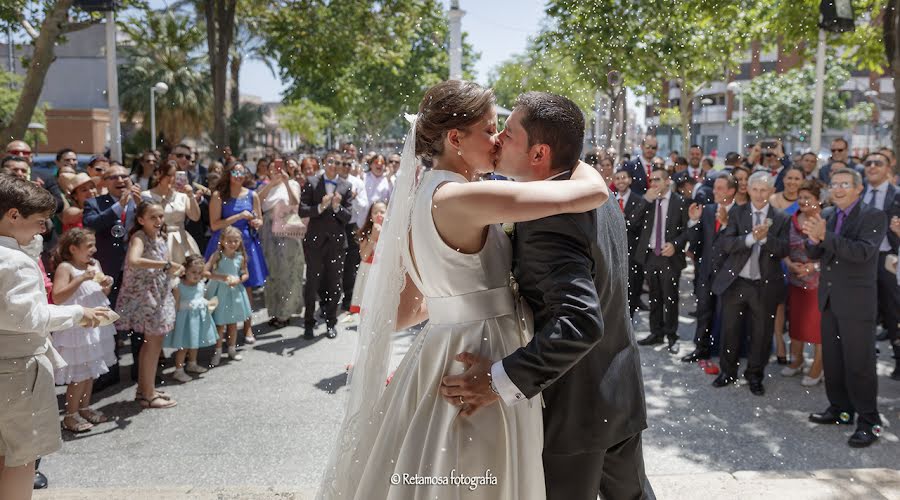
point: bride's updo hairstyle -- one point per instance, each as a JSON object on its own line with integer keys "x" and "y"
{"x": 454, "y": 104}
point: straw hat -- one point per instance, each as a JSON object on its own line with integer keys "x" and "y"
{"x": 70, "y": 182}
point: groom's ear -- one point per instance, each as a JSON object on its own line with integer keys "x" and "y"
{"x": 540, "y": 154}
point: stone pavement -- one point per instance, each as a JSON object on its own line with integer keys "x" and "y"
{"x": 262, "y": 428}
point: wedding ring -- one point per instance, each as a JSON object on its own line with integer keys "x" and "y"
{"x": 461, "y": 401}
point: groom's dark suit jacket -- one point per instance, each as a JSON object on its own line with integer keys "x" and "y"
{"x": 573, "y": 271}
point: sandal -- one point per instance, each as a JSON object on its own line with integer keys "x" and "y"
{"x": 153, "y": 404}
{"x": 81, "y": 425}
{"x": 93, "y": 416}
{"x": 164, "y": 395}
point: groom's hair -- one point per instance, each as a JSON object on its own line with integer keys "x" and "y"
{"x": 555, "y": 121}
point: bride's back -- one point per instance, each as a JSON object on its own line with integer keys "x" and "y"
{"x": 442, "y": 271}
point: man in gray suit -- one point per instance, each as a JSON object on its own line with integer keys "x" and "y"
{"x": 572, "y": 269}
{"x": 846, "y": 245}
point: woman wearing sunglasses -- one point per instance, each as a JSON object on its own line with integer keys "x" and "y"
{"x": 234, "y": 205}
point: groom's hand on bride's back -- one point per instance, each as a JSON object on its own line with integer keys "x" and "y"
{"x": 471, "y": 389}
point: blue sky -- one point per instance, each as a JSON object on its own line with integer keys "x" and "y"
{"x": 496, "y": 28}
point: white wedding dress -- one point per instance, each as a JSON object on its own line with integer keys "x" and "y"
{"x": 413, "y": 430}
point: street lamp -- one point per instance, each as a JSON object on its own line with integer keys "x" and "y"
{"x": 159, "y": 88}
{"x": 736, "y": 88}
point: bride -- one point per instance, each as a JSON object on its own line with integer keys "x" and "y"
{"x": 443, "y": 257}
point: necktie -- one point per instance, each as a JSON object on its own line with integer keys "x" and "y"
{"x": 870, "y": 199}
{"x": 649, "y": 169}
{"x": 718, "y": 225}
{"x": 622, "y": 204}
{"x": 754, "y": 254}
{"x": 840, "y": 221}
{"x": 657, "y": 246}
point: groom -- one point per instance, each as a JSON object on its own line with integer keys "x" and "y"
{"x": 583, "y": 361}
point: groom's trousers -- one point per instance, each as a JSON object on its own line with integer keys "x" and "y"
{"x": 616, "y": 473}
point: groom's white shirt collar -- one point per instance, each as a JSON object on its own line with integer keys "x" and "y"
{"x": 554, "y": 176}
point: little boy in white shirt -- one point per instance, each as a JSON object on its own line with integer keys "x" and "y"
{"x": 29, "y": 425}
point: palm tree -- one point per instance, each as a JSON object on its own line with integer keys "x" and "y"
{"x": 166, "y": 47}
{"x": 244, "y": 125}
{"x": 247, "y": 45}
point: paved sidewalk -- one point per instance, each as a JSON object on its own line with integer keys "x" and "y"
{"x": 263, "y": 427}
{"x": 868, "y": 484}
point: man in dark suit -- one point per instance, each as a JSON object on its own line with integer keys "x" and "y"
{"x": 846, "y": 246}
{"x": 326, "y": 200}
{"x": 111, "y": 216}
{"x": 880, "y": 195}
{"x": 840, "y": 158}
{"x": 571, "y": 269}
{"x": 632, "y": 206}
{"x": 708, "y": 224}
{"x": 755, "y": 241}
{"x": 660, "y": 249}
{"x": 642, "y": 166}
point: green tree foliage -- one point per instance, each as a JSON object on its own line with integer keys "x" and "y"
{"x": 541, "y": 71}
{"x": 306, "y": 119}
{"x": 9, "y": 99}
{"x": 364, "y": 59}
{"x": 166, "y": 47}
{"x": 781, "y": 104}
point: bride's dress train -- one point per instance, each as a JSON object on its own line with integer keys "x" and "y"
{"x": 414, "y": 435}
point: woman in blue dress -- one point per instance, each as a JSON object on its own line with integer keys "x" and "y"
{"x": 234, "y": 205}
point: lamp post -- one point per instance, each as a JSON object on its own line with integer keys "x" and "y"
{"x": 737, "y": 89}
{"x": 160, "y": 88}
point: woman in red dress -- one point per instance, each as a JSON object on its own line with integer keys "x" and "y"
{"x": 803, "y": 284}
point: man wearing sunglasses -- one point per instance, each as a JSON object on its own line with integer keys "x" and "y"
{"x": 846, "y": 245}
{"x": 840, "y": 152}
{"x": 641, "y": 168}
{"x": 184, "y": 158}
{"x": 881, "y": 195}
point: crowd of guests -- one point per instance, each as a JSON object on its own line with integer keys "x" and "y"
{"x": 180, "y": 251}
{"x": 778, "y": 244}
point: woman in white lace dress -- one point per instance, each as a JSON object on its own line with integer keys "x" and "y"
{"x": 443, "y": 234}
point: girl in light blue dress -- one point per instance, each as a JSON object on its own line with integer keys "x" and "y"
{"x": 227, "y": 269}
{"x": 194, "y": 327}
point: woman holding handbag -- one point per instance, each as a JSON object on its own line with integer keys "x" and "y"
{"x": 282, "y": 242}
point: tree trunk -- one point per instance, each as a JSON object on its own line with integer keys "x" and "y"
{"x": 235, "y": 66}
{"x": 612, "y": 99}
{"x": 41, "y": 58}
{"x": 623, "y": 135}
{"x": 219, "y": 35}
{"x": 892, "y": 49}
{"x": 686, "y": 106}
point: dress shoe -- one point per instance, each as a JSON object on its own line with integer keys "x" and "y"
{"x": 722, "y": 380}
{"x": 643, "y": 305}
{"x": 40, "y": 480}
{"x": 883, "y": 335}
{"x": 672, "y": 345}
{"x": 696, "y": 355}
{"x": 308, "y": 333}
{"x": 652, "y": 339}
{"x": 895, "y": 375}
{"x": 692, "y": 314}
{"x": 830, "y": 417}
{"x": 860, "y": 439}
{"x": 756, "y": 387}
{"x": 331, "y": 332}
